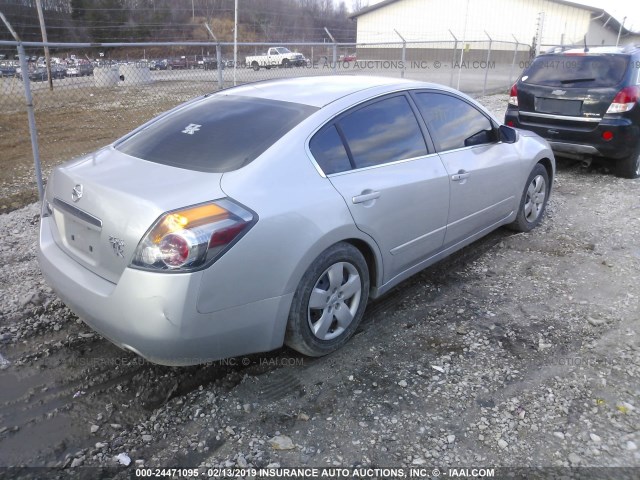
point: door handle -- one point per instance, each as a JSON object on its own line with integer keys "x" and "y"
{"x": 461, "y": 175}
{"x": 365, "y": 197}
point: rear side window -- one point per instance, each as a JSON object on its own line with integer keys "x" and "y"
{"x": 453, "y": 122}
{"x": 328, "y": 150}
{"x": 577, "y": 70}
{"x": 383, "y": 132}
{"x": 216, "y": 134}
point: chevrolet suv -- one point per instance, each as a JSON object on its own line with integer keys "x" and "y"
{"x": 585, "y": 103}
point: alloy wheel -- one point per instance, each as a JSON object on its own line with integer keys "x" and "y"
{"x": 334, "y": 300}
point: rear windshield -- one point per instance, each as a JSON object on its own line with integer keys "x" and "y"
{"x": 217, "y": 134}
{"x": 585, "y": 71}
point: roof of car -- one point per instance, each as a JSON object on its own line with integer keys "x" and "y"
{"x": 315, "y": 91}
{"x": 594, "y": 50}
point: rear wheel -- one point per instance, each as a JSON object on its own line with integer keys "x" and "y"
{"x": 534, "y": 200}
{"x": 255, "y": 65}
{"x": 286, "y": 63}
{"x": 329, "y": 302}
{"x": 629, "y": 167}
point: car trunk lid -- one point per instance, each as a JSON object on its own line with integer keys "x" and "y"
{"x": 583, "y": 104}
{"x": 103, "y": 204}
{"x": 571, "y": 88}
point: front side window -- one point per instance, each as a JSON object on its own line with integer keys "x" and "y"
{"x": 382, "y": 132}
{"x": 453, "y": 122}
{"x": 216, "y": 134}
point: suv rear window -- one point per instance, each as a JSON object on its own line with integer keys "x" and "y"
{"x": 577, "y": 70}
{"x": 217, "y": 134}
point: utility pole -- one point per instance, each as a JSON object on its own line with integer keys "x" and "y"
{"x": 43, "y": 30}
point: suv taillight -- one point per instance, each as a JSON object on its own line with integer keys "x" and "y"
{"x": 513, "y": 96}
{"x": 193, "y": 237}
{"x": 625, "y": 100}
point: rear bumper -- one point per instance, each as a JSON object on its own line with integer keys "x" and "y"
{"x": 155, "y": 315}
{"x": 574, "y": 139}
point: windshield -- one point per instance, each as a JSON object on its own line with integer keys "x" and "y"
{"x": 585, "y": 71}
{"x": 283, "y": 50}
{"x": 216, "y": 134}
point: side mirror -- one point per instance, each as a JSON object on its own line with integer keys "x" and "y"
{"x": 508, "y": 134}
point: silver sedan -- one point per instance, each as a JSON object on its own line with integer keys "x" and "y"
{"x": 272, "y": 212}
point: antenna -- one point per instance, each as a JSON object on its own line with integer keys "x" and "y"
{"x": 586, "y": 49}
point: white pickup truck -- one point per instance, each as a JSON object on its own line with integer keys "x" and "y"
{"x": 276, "y": 57}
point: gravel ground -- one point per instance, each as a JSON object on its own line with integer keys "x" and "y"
{"x": 521, "y": 350}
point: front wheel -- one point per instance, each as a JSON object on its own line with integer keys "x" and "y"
{"x": 329, "y": 302}
{"x": 534, "y": 200}
{"x": 629, "y": 167}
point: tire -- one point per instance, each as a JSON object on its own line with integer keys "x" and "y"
{"x": 314, "y": 328}
{"x": 286, "y": 63}
{"x": 629, "y": 167}
{"x": 532, "y": 204}
{"x": 255, "y": 66}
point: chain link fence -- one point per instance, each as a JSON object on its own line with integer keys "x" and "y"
{"x": 99, "y": 92}
{"x": 84, "y": 74}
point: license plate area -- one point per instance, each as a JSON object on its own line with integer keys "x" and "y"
{"x": 558, "y": 107}
{"x": 80, "y": 237}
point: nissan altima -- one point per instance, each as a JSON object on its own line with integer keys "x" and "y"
{"x": 270, "y": 213}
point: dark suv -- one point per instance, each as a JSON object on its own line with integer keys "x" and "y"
{"x": 585, "y": 103}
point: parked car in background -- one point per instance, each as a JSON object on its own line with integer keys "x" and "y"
{"x": 211, "y": 63}
{"x": 58, "y": 71}
{"x": 349, "y": 57}
{"x": 35, "y": 74}
{"x": 177, "y": 63}
{"x": 585, "y": 103}
{"x": 276, "y": 57}
{"x": 38, "y": 74}
{"x": 7, "y": 68}
{"x": 270, "y": 213}
{"x": 158, "y": 64}
{"x": 80, "y": 69}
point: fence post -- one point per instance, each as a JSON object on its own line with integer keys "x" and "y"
{"x": 404, "y": 52}
{"x": 220, "y": 66}
{"x": 486, "y": 71}
{"x": 513, "y": 63}
{"x": 335, "y": 50}
{"x": 453, "y": 58}
{"x": 218, "y": 56}
{"x": 33, "y": 132}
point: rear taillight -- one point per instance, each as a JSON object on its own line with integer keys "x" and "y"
{"x": 193, "y": 237}
{"x": 513, "y": 96}
{"x": 625, "y": 100}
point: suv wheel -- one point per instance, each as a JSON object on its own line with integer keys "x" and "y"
{"x": 629, "y": 167}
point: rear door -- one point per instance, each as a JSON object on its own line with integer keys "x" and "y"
{"x": 485, "y": 175}
{"x": 396, "y": 188}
